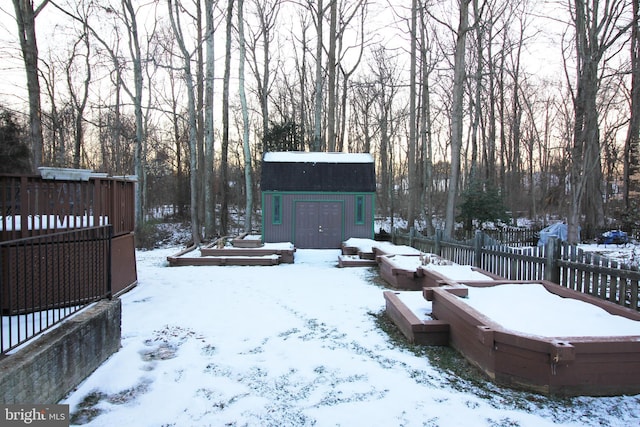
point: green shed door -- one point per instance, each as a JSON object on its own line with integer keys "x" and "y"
{"x": 318, "y": 224}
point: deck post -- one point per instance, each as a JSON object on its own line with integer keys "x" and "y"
{"x": 437, "y": 248}
{"x": 477, "y": 248}
{"x": 552, "y": 255}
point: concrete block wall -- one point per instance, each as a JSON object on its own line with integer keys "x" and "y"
{"x": 46, "y": 370}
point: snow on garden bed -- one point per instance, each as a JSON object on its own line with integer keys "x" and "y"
{"x": 531, "y": 309}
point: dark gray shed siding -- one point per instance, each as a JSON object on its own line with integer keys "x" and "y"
{"x": 325, "y": 177}
{"x": 285, "y": 230}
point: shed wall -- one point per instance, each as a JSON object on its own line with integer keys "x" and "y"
{"x": 284, "y": 231}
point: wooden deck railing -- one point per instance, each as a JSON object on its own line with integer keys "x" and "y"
{"x": 45, "y": 279}
{"x": 63, "y": 244}
{"x": 31, "y": 206}
{"x": 567, "y": 265}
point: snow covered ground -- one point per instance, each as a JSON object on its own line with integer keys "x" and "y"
{"x": 291, "y": 345}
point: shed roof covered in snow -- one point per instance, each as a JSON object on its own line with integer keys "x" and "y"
{"x": 331, "y": 172}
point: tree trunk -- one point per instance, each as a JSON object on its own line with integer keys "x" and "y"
{"x": 425, "y": 133}
{"x": 632, "y": 141}
{"x": 593, "y": 38}
{"x": 192, "y": 120}
{"x": 26, "y": 20}
{"x": 317, "y": 132}
{"x": 331, "y": 77}
{"x": 79, "y": 100}
{"x": 209, "y": 195}
{"x": 414, "y": 188}
{"x": 224, "y": 155}
{"x": 245, "y": 122}
{"x": 136, "y": 58}
{"x": 457, "y": 115}
{"x": 200, "y": 82}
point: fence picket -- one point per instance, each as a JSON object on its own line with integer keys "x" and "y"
{"x": 602, "y": 288}
{"x": 613, "y": 286}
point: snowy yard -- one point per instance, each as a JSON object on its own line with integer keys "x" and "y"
{"x": 292, "y": 345}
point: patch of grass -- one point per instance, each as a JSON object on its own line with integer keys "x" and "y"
{"x": 444, "y": 358}
{"x": 373, "y": 277}
{"x": 465, "y": 377}
{"x": 87, "y": 410}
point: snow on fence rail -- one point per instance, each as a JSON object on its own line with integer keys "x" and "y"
{"x": 47, "y": 278}
{"x": 564, "y": 264}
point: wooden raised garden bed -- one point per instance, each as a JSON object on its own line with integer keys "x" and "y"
{"x": 407, "y": 272}
{"x": 416, "y": 330}
{"x": 563, "y": 365}
{"x": 389, "y": 249}
{"x": 355, "y": 261}
{"x": 437, "y": 275}
{"x": 267, "y": 254}
{"x": 246, "y": 240}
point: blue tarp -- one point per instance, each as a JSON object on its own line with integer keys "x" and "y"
{"x": 558, "y": 230}
{"x": 613, "y": 237}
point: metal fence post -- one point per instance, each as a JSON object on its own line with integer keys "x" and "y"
{"x": 109, "y": 256}
{"x": 412, "y": 235}
{"x": 552, "y": 255}
{"x": 437, "y": 248}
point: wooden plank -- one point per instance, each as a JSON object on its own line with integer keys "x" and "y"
{"x": 417, "y": 331}
{"x": 350, "y": 261}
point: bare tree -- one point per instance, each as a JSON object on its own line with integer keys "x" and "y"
{"x": 331, "y": 76}
{"x": 341, "y": 16}
{"x": 224, "y": 155}
{"x": 632, "y": 141}
{"x": 174, "y": 15}
{"x": 427, "y": 65}
{"x": 597, "y": 28}
{"x": 319, "y": 79}
{"x": 79, "y": 97}
{"x": 209, "y": 199}
{"x": 245, "y": 122}
{"x": 55, "y": 155}
{"x": 414, "y": 188}
{"x": 267, "y": 13}
{"x": 301, "y": 68}
{"x": 347, "y": 73}
{"x": 128, "y": 17}
{"x": 26, "y": 19}
{"x": 386, "y": 85}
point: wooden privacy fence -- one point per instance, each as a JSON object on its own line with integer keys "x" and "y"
{"x": 561, "y": 263}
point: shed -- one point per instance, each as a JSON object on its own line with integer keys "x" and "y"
{"x": 317, "y": 200}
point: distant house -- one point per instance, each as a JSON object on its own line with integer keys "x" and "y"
{"x": 317, "y": 200}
